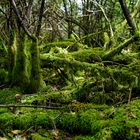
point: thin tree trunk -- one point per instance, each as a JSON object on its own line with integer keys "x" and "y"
{"x": 127, "y": 16}
{"x": 40, "y": 18}
{"x": 35, "y": 69}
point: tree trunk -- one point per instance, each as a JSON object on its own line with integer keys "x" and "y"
{"x": 127, "y": 16}
{"x": 11, "y": 56}
{"x": 35, "y": 68}
{"x": 20, "y": 75}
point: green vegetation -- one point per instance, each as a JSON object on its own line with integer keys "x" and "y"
{"x": 69, "y": 70}
{"x": 95, "y": 121}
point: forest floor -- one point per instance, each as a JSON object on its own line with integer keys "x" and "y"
{"x": 57, "y": 116}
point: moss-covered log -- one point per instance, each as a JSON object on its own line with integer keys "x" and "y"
{"x": 70, "y": 45}
{"x": 49, "y": 60}
{"x": 118, "y": 49}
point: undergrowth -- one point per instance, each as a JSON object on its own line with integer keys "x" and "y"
{"x": 75, "y": 120}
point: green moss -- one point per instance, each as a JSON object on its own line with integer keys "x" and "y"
{"x": 69, "y": 45}
{"x": 12, "y": 51}
{"x": 35, "y": 79}
{"x": 77, "y": 107}
{"x": 89, "y": 121}
{"x": 45, "y": 120}
{"x": 3, "y": 110}
{"x": 112, "y": 123}
{"x": 126, "y": 121}
{"x": 20, "y": 73}
{"x": 3, "y": 76}
{"x": 104, "y": 134}
{"x": 117, "y": 50}
{"x": 24, "y": 121}
{"x": 6, "y": 121}
{"x": 7, "y": 95}
{"x": 87, "y": 55}
{"x": 83, "y": 138}
{"x": 36, "y": 136}
{"x": 59, "y": 97}
{"x": 69, "y": 121}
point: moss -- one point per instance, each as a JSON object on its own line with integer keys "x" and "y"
{"x": 69, "y": 45}
{"x": 111, "y": 123}
{"x": 83, "y": 138}
{"x": 7, "y": 95}
{"x": 89, "y": 121}
{"x": 117, "y": 50}
{"x": 35, "y": 79}
{"x": 6, "y": 121}
{"x": 20, "y": 74}
{"x": 36, "y": 136}
{"x": 76, "y": 107}
{"x": 12, "y": 51}
{"x": 3, "y": 76}
{"x": 104, "y": 134}
{"x": 68, "y": 121}
{"x": 86, "y": 91}
{"x": 126, "y": 58}
{"x": 126, "y": 121}
{"x": 45, "y": 120}
{"x": 3, "y": 110}
{"x": 57, "y": 62}
{"x": 87, "y": 55}
{"x": 83, "y": 122}
{"x": 59, "y": 97}
{"x": 24, "y": 121}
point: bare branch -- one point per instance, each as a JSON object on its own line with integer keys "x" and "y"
{"x": 20, "y": 19}
{"x": 28, "y": 106}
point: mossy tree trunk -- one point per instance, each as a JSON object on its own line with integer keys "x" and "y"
{"x": 11, "y": 56}
{"x": 35, "y": 68}
{"x": 24, "y": 72}
{"x": 20, "y": 74}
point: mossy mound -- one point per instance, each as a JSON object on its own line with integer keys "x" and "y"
{"x": 7, "y": 95}
{"x": 101, "y": 122}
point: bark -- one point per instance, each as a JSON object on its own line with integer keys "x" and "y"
{"x": 127, "y": 16}
{"x": 28, "y": 10}
{"x": 12, "y": 2}
{"x": 67, "y": 16}
{"x": 40, "y": 18}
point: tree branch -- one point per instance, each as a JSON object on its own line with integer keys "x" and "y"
{"x": 40, "y": 18}
{"x": 127, "y": 16}
{"x": 20, "y": 19}
{"x": 29, "y": 106}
